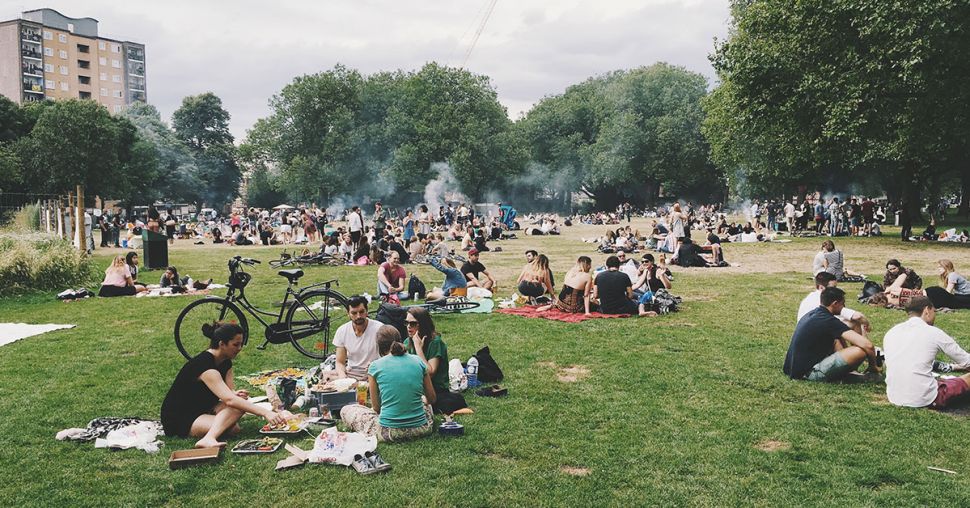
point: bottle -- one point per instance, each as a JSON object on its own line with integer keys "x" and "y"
{"x": 472, "y": 372}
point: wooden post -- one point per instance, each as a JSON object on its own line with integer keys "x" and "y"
{"x": 71, "y": 222}
{"x": 60, "y": 220}
{"x": 81, "y": 223}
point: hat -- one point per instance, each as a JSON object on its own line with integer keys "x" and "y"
{"x": 473, "y": 252}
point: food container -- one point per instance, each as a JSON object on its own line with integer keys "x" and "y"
{"x": 182, "y": 458}
{"x": 334, "y": 401}
{"x": 451, "y": 428}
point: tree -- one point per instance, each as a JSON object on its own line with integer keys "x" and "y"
{"x": 203, "y": 125}
{"x": 175, "y": 175}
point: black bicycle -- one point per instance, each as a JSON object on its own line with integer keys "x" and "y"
{"x": 306, "y": 259}
{"x": 307, "y": 317}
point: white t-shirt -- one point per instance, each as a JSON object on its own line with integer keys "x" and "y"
{"x": 789, "y": 210}
{"x": 814, "y": 299}
{"x": 910, "y": 348}
{"x": 360, "y": 350}
{"x": 354, "y": 222}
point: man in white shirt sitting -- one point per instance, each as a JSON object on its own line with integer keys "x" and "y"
{"x": 911, "y": 348}
{"x": 855, "y": 320}
{"x": 356, "y": 341}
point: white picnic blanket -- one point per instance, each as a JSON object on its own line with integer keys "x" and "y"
{"x": 10, "y": 332}
{"x": 156, "y": 290}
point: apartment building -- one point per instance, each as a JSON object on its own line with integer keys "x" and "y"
{"x": 47, "y": 55}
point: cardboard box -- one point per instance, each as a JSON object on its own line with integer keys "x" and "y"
{"x": 335, "y": 400}
{"x": 183, "y": 458}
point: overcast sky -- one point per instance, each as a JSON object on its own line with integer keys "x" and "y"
{"x": 247, "y": 50}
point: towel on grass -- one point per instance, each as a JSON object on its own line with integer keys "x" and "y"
{"x": 558, "y": 315}
{"x": 10, "y": 332}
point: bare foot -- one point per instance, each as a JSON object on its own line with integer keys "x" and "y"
{"x": 209, "y": 443}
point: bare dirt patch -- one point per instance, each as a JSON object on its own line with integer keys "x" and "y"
{"x": 572, "y": 374}
{"x": 549, "y": 365}
{"x": 576, "y": 471}
{"x": 772, "y": 445}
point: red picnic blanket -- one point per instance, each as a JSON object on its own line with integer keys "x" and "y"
{"x": 557, "y": 315}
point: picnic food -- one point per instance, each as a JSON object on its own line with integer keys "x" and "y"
{"x": 294, "y": 424}
{"x": 263, "y": 445}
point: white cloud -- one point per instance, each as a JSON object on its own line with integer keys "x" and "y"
{"x": 245, "y": 51}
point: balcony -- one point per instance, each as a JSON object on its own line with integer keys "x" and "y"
{"x": 33, "y": 87}
{"x": 81, "y": 48}
{"x": 30, "y": 36}
{"x": 32, "y": 70}
{"x": 136, "y": 70}
{"x": 84, "y": 80}
{"x": 29, "y": 53}
{"x": 136, "y": 54}
{"x": 84, "y": 64}
{"x": 33, "y": 97}
{"x": 84, "y": 95}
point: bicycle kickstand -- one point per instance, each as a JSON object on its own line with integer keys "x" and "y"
{"x": 263, "y": 347}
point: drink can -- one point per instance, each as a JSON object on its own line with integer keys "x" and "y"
{"x": 314, "y": 412}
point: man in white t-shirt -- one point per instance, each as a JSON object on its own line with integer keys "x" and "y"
{"x": 911, "y": 349}
{"x": 790, "y": 216}
{"x": 356, "y": 341}
{"x": 855, "y": 320}
{"x": 355, "y": 224}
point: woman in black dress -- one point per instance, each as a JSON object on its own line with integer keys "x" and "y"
{"x": 203, "y": 401}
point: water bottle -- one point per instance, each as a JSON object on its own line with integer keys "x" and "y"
{"x": 472, "y": 372}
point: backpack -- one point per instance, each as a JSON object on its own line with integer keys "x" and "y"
{"x": 488, "y": 370}
{"x": 664, "y": 302}
{"x": 416, "y": 288}
{"x": 869, "y": 289}
{"x": 393, "y": 315}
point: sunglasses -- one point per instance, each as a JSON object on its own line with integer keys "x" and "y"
{"x": 411, "y": 323}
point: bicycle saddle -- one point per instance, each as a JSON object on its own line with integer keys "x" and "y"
{"x": 292, "y": 275}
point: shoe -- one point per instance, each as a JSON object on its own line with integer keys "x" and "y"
{"x": 377, "y": 462}
{"x": 944, "y": 367}
{"x": 493, "y": 391}
{"x": 362, "y": 465}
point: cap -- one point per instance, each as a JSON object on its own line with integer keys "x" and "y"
{"x": 472, "y": 252}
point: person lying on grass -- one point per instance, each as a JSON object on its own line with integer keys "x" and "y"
{"x": 401, "y": 394}
{"x": 203, "y": 401}
{"x": 823, "y": 348}
{"x": 953, "y": 291}
{"x": 857, "y": 321}
{"x": 911, "y": 349}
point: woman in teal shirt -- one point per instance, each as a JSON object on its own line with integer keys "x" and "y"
{"x": 425, "y": 342}
{"x": 400, "y": 392}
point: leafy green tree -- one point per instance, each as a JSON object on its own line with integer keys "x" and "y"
{"x": 203, "y": 125}
{"x": 175, "y": 175}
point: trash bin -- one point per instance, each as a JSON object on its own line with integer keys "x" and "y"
{"x": 155, "y": 250}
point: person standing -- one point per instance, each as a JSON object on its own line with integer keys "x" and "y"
{"x": 380, "y": 221}
{"x": 355, "y": 225}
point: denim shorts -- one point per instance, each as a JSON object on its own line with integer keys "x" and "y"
{"x": 831, "y": 368}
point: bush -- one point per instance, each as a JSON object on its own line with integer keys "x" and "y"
{"x": 46, "y": 264}
{"x": 27, "y": 218}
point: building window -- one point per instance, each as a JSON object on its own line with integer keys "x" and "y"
{"x": 51, "y": 84}
{"x": 116, "y": 94}
{"x": 84, "y": 80}
{"x": 48, "y": 67}
{"x": 63, "y": 54}
{"x": 116, "y": 48}
{"x": 104, "y": 92}
{"x": 116, "y": 78}
{"x": 84, "y": 95}
{"x": 83, "y": 48}
{"x": 84, "y": 64}
{"x": 102, "y": 61}
{"x": 116, "y": 64}
{"x": 48, "y": 35}
{"x": 101, "y": 45}
{"x": 64, "y": 86}
{"x": 63, "y": 69}
{"x": 61, "y": 37}
{"x": 118, "y": 108}
{"x": 48, "y": 51}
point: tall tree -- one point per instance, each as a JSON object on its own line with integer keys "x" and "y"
{"x": 175, "y": 175}
{"x": 203, "y": 125}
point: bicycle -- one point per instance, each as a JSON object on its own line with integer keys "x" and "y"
{"x": 306, "y": 259}
{"x": 304, "y": 318}
{"x": 446, "y": 305}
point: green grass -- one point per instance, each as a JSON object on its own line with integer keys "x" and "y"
{"x": 672, "y": 413}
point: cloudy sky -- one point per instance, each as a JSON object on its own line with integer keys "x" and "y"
{"x": 247, "y": 50}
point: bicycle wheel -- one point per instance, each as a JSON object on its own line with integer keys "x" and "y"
{"x": 453, "y": 307}
{"x": 188, "y": 327}
{"x": 312, "y": 320}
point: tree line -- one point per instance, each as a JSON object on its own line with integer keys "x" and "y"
{"x": 841, "y": 96}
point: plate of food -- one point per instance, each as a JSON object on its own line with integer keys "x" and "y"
{"x": 291, "y": 426}
{"x": 263, "y": 445}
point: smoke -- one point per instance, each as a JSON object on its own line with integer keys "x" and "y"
{"x": 337, "y": 206}
{"x": 443, "y": 188}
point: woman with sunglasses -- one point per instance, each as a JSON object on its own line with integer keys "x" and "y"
{"x": 425, "y": 342}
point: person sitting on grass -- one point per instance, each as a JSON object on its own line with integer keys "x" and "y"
{"x": 171, "y": 279}
{"x": 823, "y": 348}
{"x": 400, "y": 394}
{"x": 534, "y": 280}
{"x": 898, "y": 277}
{"x": 203, "y": 401}
{"x": 455, "y": 283}
{"x": 829, "y": 259}
{"x": 425, "y": 342}
{"x": 356, "y": 341}
{"x": 911, "y": 349}
{"x": 855, "y": 320}
{"x": 576, "y": 288}
{"x": 652, "y": 277}
{"x": 613, "y": 291}
{"x": 392, "y": 278}
{"x": 118, "y": 281}
{"x": 476, "y": 273}
{"x": 954, "y": 290}
{"x": 131, "y": 259}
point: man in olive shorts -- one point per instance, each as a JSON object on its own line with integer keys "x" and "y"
{"x": 823, "y": 348}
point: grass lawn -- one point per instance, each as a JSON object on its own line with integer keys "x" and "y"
{"x": 687, "y": 409}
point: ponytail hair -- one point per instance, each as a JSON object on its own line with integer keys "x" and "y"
{"x": 389, "y": 341}
{"x": 220, "y": 332}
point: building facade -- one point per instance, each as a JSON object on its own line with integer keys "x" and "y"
{"x": 46, "y": 55}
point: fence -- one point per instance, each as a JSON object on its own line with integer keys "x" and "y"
{"x": 59, "y": 215}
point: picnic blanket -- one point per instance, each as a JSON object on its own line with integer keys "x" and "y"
{"x": 10, "y": 332}
{"x": 558, "y": 315}
{"x": 156, "y": 290}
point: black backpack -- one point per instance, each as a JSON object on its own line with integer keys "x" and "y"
{"x": 393, "y": 315}
{"x": 416, "y": 288}
{"x": 488, "y": 370}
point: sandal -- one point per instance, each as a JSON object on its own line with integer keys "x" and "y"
{"x": 362, "y": 465}
{"x": 377, "y": 462}
{"x": 493, "y": 391}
